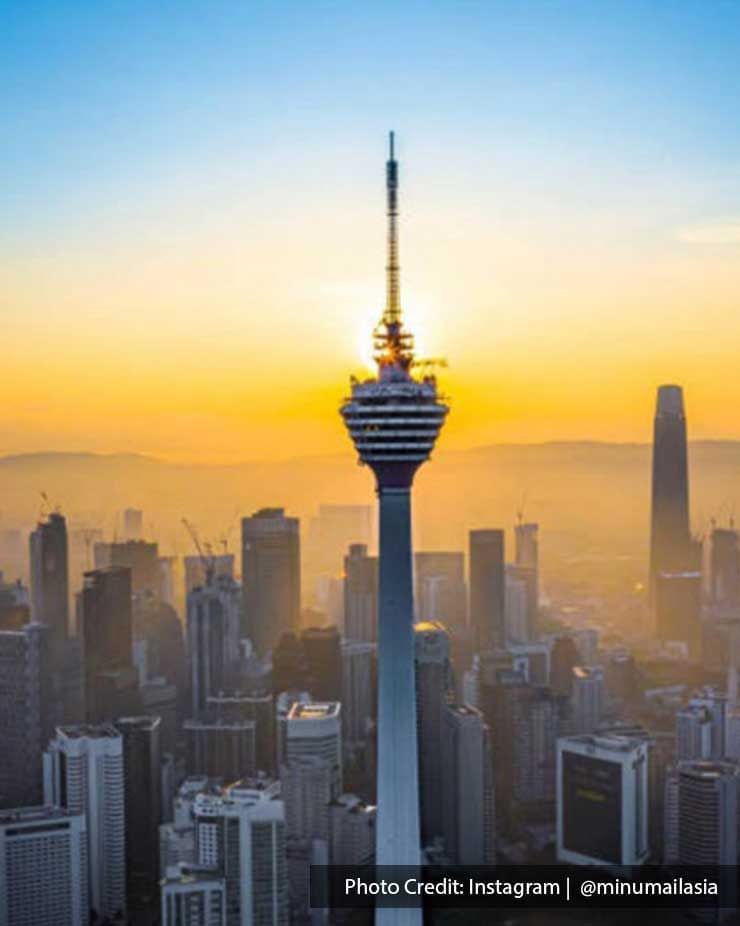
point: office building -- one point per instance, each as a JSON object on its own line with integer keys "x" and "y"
{"x": 213, "y": 634}
{"x": 441, "y": 593}
{"x": 360, "y": 595}
{"x": 50, "y": 580}
{"x": 352, "y": 831}
{"x": 25, "y": 713}
{"x": 271, "y": 574}
{"x": 602, "y": 800}
{"x": 315, "y": 730}
{"x": 43, "y": 867}
{"x": 142, "y": 768}
{"x": 587, "y": 696}
{"x": 670, "y": 533}
{"x": 240, "y": 834}
{"x": 433, "y": 689}
{"x": 105, "y": 620}
{"x": 467, "y": 797}
{"x": 84, "y": 772}
{"x": 487, "y": 588}
{"x": 708, "y": 813}
{"x": 193, "y": 897}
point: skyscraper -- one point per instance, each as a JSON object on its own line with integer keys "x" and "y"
{"x": 214, "y": 625}
{"x": 241, "y": 835}
{"x": 322, "y": 646}
{"x": 724, "y": 570}
{"x": 43, "y": 867}
{"x": 467, "y": 798}
{"x": 440, "y": 588}
{"x": 670, "y": 534}
{"x": 142, "y": 759}
{"x": 271, "y": 574}
{"x": 708, "y": 794}
{"x": 433, "y": 684}
{"x": 83, "y": 771}
{"x": 141, "y": 557}
{"x": 394, "y": 420}
{"x": 315, "y": 729}
{"x": 50, "y": 580}
{"x": 111, "y": 684}
{"x": 602, "y": 803}
{"x": 487, "y": 589}
{"x": 25, "y": 716}
{"x": 193, "y": 897}
{"x": 360, "y": 595}
{"x": 587, "y": 693}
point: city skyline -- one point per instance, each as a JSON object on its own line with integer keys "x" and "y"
{"x": 178, "y": 240}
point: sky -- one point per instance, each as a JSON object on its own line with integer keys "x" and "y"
{"x": 192, "y": 218}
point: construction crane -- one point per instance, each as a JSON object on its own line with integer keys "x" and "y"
{"x": 205, "y": 552}
{"x": 46, "y": 506}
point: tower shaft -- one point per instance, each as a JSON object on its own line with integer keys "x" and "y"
{"x": 398, "y": 835}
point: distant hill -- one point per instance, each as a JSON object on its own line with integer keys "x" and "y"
{"x": 591, "y": 499}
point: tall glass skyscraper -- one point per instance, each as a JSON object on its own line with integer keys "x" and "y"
{"x": 670, "y": 541}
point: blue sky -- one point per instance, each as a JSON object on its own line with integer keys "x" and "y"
{"x": 182, "y": 175}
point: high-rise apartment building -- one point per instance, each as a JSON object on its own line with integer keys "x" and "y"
{"x": 84, "y": 772}
{"x": 602, "y": 800}
{"x": 670, "y": 533}
{"x": 43, "y": 867}
{"x": 240, "y": 834}
{"x": 193, "y": 897}
{"x": 271, "y": 574}
{"x": 708, "y": 813}
{"x": 487, "y": 588}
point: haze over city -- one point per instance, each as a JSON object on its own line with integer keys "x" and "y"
{"x": 192, "y": 245}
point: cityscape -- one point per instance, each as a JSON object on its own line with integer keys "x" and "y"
{"x": 224, "y": 680}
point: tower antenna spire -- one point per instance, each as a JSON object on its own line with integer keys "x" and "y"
{"x": 392, "y": 314}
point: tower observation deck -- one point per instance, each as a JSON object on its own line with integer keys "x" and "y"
{"x": 394, "y": 419}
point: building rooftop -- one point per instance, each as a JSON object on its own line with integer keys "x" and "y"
{"x": 33, "y": 814}
{"x": 609, "y": 742}
{"x": 314, "y": 710}
{"x": 88, "y": 731}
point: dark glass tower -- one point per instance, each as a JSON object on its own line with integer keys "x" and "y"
{"x": 670, "y": 542}
{"x": 394, "y": 419}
